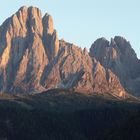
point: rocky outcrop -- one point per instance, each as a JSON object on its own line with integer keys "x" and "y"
{"x": 50, "y": 37}
{"x": 33, "y": 59}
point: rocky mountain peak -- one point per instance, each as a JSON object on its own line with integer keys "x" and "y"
{"x": 30, "y": 11}
{"x": 25, "y": 44}
{"x": 118, "y": 56}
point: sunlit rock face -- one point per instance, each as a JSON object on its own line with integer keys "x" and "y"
{"x": 23, "y": 54}
{"x": 33, "y": 59}
{"x": 50, "y": 37}
{"x": 118, "y": 56}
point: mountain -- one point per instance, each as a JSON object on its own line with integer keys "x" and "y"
{"x": 118, "y": 56}
{"x": 33, "y": 60}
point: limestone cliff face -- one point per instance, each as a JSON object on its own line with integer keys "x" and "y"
{"x": 23, "y": 54}
{"x": 50, "y": 37}
{"x": 33, "y": 59}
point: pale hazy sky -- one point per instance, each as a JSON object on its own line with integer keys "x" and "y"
{"x": 83, "y": 21}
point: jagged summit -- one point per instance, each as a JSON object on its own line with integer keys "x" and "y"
{"x": 33, "y": 59}
{"x": 118, "y": 56}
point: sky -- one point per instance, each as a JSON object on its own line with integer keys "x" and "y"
{"x": 83, "y": 21}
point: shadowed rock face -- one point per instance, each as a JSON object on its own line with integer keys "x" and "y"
{"x": 32, "y": 59}
{"x": 118, "y": 56}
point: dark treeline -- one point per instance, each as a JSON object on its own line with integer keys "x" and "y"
{"x": 109, "y": 123}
